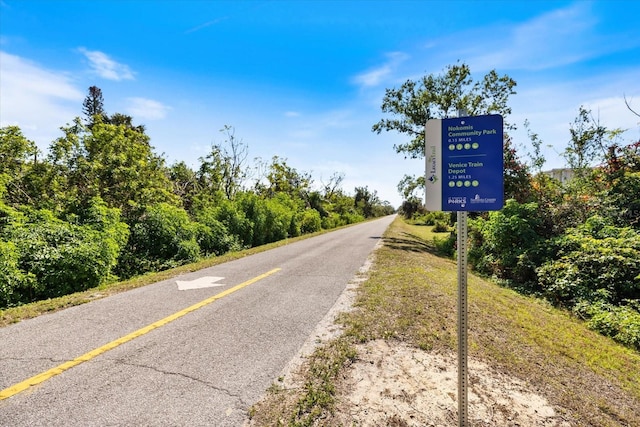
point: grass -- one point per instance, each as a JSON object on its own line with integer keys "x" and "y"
{"x": 411, "y": 296}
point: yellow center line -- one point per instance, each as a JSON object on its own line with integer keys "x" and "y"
{"x": 37, "y": 379}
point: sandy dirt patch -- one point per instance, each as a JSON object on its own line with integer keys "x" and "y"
{"x": 398, "y": 385}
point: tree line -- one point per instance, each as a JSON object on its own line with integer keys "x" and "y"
{"x": 102, "y": 206}
{"x": 575, "y": 243}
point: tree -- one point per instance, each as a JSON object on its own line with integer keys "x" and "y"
{"x": 408, "y": 186}
{"x": 93, "y": 106}
{"x": 236, "y": 153}
{"x": 125, "y": 120}
{"x": 517, "y": 177}
{"x": 587, "y": 136}
{"x": 185, "y": 183}
{"x": 115, "y": 162}
{"x": 223, "y": 169}
{"x": 18, "y": 162}
{"x": 365, "y": 200}
{"x": 286, "y": 179}
{"x": 333, "y": 186}
{"x": 441, "y": 96}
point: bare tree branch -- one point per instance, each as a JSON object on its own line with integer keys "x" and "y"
{"x": 629, "y": 106}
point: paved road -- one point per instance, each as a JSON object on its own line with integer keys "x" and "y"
{"x": 205, "y": 368}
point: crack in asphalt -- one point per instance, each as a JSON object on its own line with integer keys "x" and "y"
{"x": 33, "y": 359}
{"x": 183, "y": 375}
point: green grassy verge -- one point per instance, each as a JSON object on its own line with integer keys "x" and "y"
{"x": 411, "y": 296}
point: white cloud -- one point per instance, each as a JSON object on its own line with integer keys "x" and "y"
{"x": 142, "y": 108}
{"x": 292, "y": 114}
{"x": 206, "y": 24}
{"x": 380, "y": 74}
{"x": 558, "y": 38}
{"x": 552, "y": 107}
{"x": 106, "y": 67}
{"x": 36, "y": 99}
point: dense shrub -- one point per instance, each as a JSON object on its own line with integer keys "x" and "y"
{"x": 212, "y": 235}
{"x": 446, "y": 246}
{"x": 431, "y": 218}
{"x": 333, "y": 220}
{"x": 440, "y": 227}
{"x": 163, "y": 237}
{"x": 310, "y": 221}
{"x": 351, "y": 217}
{"x": 281, "y": 219}
{"x": 622, "y": 323}
{"x": 16, "y": 286}
{"x": 624, "y": 200}
{"x": 598, "y": 261}
{"x": 271, "y": 219}
{"x": 510, "y": 244}
{"x": 64, "y": 257}
{"x": 236, "y": 222}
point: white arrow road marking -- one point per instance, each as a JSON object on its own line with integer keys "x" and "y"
{"x": 202, "y": 282}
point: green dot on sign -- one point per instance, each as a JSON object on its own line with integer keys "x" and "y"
{"x": 467, "y": 146}
{"x": 475, "y": 145}
{"x": 452, "y": 184}
{"x": 467, "y": 183}
{"x": 459, "y": 184}
{"x": 452, "y": 147}
{"x": 459, "y": 146}
{"x": 475, "y": 183}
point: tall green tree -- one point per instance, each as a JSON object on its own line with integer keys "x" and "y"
{"x": 93, "y": 106}
{"x": 114, "y": 162}
{"x": 19, "y": 165}
{"x": 587, "y": 141}
{"x": 365, "y": 200}
{"x": 283, "y": 178}
{"x": 442, "y": 96}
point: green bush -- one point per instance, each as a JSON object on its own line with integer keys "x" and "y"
{"x": 280, "y": 216}
{"x": 431, "y": 218}
{"x": 212, "y": 235}
{"x": 510, "y": 244}
{"x": 64, "y": 257}
{"x": 270, "y": 219}
{"x": 446, "y": 246}
{"x": 164, "y": 237}
{"x": 351, "y": 218}
{"x": 333, "y": 220}
{"x": 624, "y": 200}
{"x": 598, "y": 261}
{"x": 236, "y": 222}
{"x": 310, "y": 221}
{"x": 16, "y": 286}
{"x": 440, "y": 227}
{"x": 622, "y": 323}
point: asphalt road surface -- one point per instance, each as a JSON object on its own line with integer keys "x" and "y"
{"x": 196, "y": 350}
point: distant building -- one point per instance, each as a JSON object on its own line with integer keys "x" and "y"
{"x": 564, "y": 175}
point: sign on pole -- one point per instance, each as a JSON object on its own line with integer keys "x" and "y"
{"x": 464, "y": 164}
{"x": 464, "y": 172}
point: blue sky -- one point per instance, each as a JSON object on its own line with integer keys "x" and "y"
{"x": 304, "y": 80}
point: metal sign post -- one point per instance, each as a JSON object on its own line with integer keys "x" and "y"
{"x": 462, "y": 320}
{"x": 464, "y": 173}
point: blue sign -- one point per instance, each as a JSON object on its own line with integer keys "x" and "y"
{"x": 464, "y": 164}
